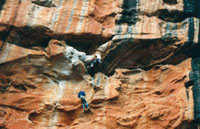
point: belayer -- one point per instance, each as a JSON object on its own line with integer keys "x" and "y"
{"x": 81, "y": 95}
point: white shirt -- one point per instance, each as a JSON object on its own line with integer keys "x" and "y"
{"x": 98, "y": 56}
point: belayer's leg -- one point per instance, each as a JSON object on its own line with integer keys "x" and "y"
{"x": 86, "y": 104}
{"x": 83, "y": 107}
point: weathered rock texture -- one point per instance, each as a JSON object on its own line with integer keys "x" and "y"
{"x": 148, "y": 79}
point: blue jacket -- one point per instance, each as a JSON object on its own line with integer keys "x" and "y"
{"x": 81, "y": 93}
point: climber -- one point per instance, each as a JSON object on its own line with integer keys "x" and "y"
{"x": 92, "y": 68}
{"x": 81, "y": 95}
{"x": 96, "y": 61}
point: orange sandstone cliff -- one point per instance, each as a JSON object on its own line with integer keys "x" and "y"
{"x": 148, "y": 78}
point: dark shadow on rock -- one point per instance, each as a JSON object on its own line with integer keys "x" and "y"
{"x": 141, "y": 53}
{"x": 174, "y": 16}
{"x": 129, "y": 13}
{"x": 195, "y": 77}
{"x": 192, "y": 7}
{"x": 39, "y": 36}
{"x": 2, "y": 2}
{"x": 45, "y": 3}
{"x": 2, "y": 127}
{"x": 170, "y": 2}
{"x": 188, "y": 125}
{"x": 26, "y": 36}
{"x": 195, "y": 73}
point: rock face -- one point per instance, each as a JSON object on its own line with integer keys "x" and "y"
{"x": 148, "y": 78}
